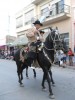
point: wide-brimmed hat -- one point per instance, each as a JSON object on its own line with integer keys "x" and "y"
{"x": 38, "y": 22}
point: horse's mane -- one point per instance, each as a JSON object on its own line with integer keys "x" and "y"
{"x": 49, "y": 45}
{"x": 48, "y": 42}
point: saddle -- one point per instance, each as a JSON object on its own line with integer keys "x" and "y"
{"x": 32, "y": 53}
{"x": 36, "y": 47}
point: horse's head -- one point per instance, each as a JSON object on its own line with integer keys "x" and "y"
{"x": 53, "y": 40}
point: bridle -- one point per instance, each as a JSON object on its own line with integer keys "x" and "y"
{"x": 54, "y": 40}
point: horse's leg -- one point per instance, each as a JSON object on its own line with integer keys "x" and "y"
{"x": 49, "y": 83}
{"x": 19, "y": 76}
{"x": 43, "y": 81}
{"x": 23, "y": 66}
{"x": 50, "y": 72}
{"x": 26, "y": 72}
{"x": 34, "y": 73}
{"x": 19, "y": 71}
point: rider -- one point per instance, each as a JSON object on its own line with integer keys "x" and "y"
{"x": 35, "y": 38}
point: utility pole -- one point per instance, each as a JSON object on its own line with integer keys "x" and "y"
{"x": 8, "y": 24}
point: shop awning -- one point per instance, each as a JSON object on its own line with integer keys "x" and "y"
{"x": 20, "y": 41}
{"x": 2, "y": 47}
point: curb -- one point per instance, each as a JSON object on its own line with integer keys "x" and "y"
{"x": 67, "y": 66}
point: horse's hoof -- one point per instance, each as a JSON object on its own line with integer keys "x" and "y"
{"x": 27, "y": 77}
{"x": 51, "y": 96}
{"x": 35, "y": 77}
{"x": 19, "y": 81}
{"x": 21, "y": 85}
{"x": 53, "y": 84}
{"x": 44, "y": 89}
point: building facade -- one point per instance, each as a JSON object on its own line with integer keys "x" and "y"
{"x": 10, "y": 39}
{"x": 52, "y": 13}
{"x": 6, "y": 41}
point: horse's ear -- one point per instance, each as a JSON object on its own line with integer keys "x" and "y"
{"x": 50, "y": 28}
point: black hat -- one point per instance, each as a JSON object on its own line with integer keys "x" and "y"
{"x": 38, "y": 22}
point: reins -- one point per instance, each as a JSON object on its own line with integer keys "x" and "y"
{"x": 46, "y": 55}
{"x": 47, "y": 48}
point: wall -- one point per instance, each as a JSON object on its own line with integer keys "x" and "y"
{"x": 64, "y": 26}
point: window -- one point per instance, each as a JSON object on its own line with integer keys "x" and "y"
{"x": 57, "y": 8}
{"x": 28, "y": 16}
{"x": 61, "y": 6}
{"x": 45, "y": 11}
{"x": 65, "y": 36}
{"x": 19, "y": 22}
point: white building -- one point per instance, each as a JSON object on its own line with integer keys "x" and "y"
{"x": 62, "y": 17}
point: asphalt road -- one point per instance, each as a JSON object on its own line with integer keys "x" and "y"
{"x": 10, "y": 89}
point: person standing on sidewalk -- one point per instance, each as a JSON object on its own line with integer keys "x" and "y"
{"x": 70, "y": 54}
{"x": 64, "y": 59}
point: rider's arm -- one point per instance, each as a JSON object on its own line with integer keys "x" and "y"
{"x": 38, "y": 35}
{"x": 30, "y": 32}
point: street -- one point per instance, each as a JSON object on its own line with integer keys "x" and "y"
{"x": 10, "y": 89}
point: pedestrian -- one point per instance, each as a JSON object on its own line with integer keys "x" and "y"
{"x": 60, "y": 57}
{"x": 64, "y": 59}
{"x": 50, "y": 9}
{"x": 70, "y": 54}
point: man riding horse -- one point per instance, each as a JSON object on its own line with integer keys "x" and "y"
{"x": 45, "y": 57}
{"x": 35, "y": 38}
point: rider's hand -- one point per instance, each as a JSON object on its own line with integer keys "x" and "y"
{"x": 38, "y": 38}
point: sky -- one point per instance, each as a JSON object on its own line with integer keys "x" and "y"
{"x": 8, "y": 8}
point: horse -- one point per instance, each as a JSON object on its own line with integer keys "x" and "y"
{"x": 45, "y": 58}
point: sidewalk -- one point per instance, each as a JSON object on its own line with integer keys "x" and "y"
{"x": 67, "y": 66}
{"x": 71, "y": 67}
